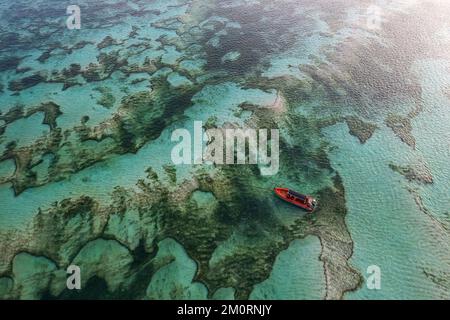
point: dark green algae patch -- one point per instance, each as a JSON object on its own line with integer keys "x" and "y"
{"x": 141, "y": 117}
{"x": 159, "y": 211}
{"x": 240, "y": 208}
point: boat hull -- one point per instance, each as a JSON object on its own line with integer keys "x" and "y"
{"x": 284, "y": 194}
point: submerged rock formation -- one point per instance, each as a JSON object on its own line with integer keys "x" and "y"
{"x": 418, "y": 173}
{"x": 360, "y": 129}
{"x": 402, "y": 128}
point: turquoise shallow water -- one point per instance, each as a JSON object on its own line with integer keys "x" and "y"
{"x": 431, "y": 130}
{"x": 295, "y": 274}
{"x": 387, "y": 226}
{"x": 174, "y": 281}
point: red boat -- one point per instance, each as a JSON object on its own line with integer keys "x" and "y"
{"x": 300, "y": 200}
